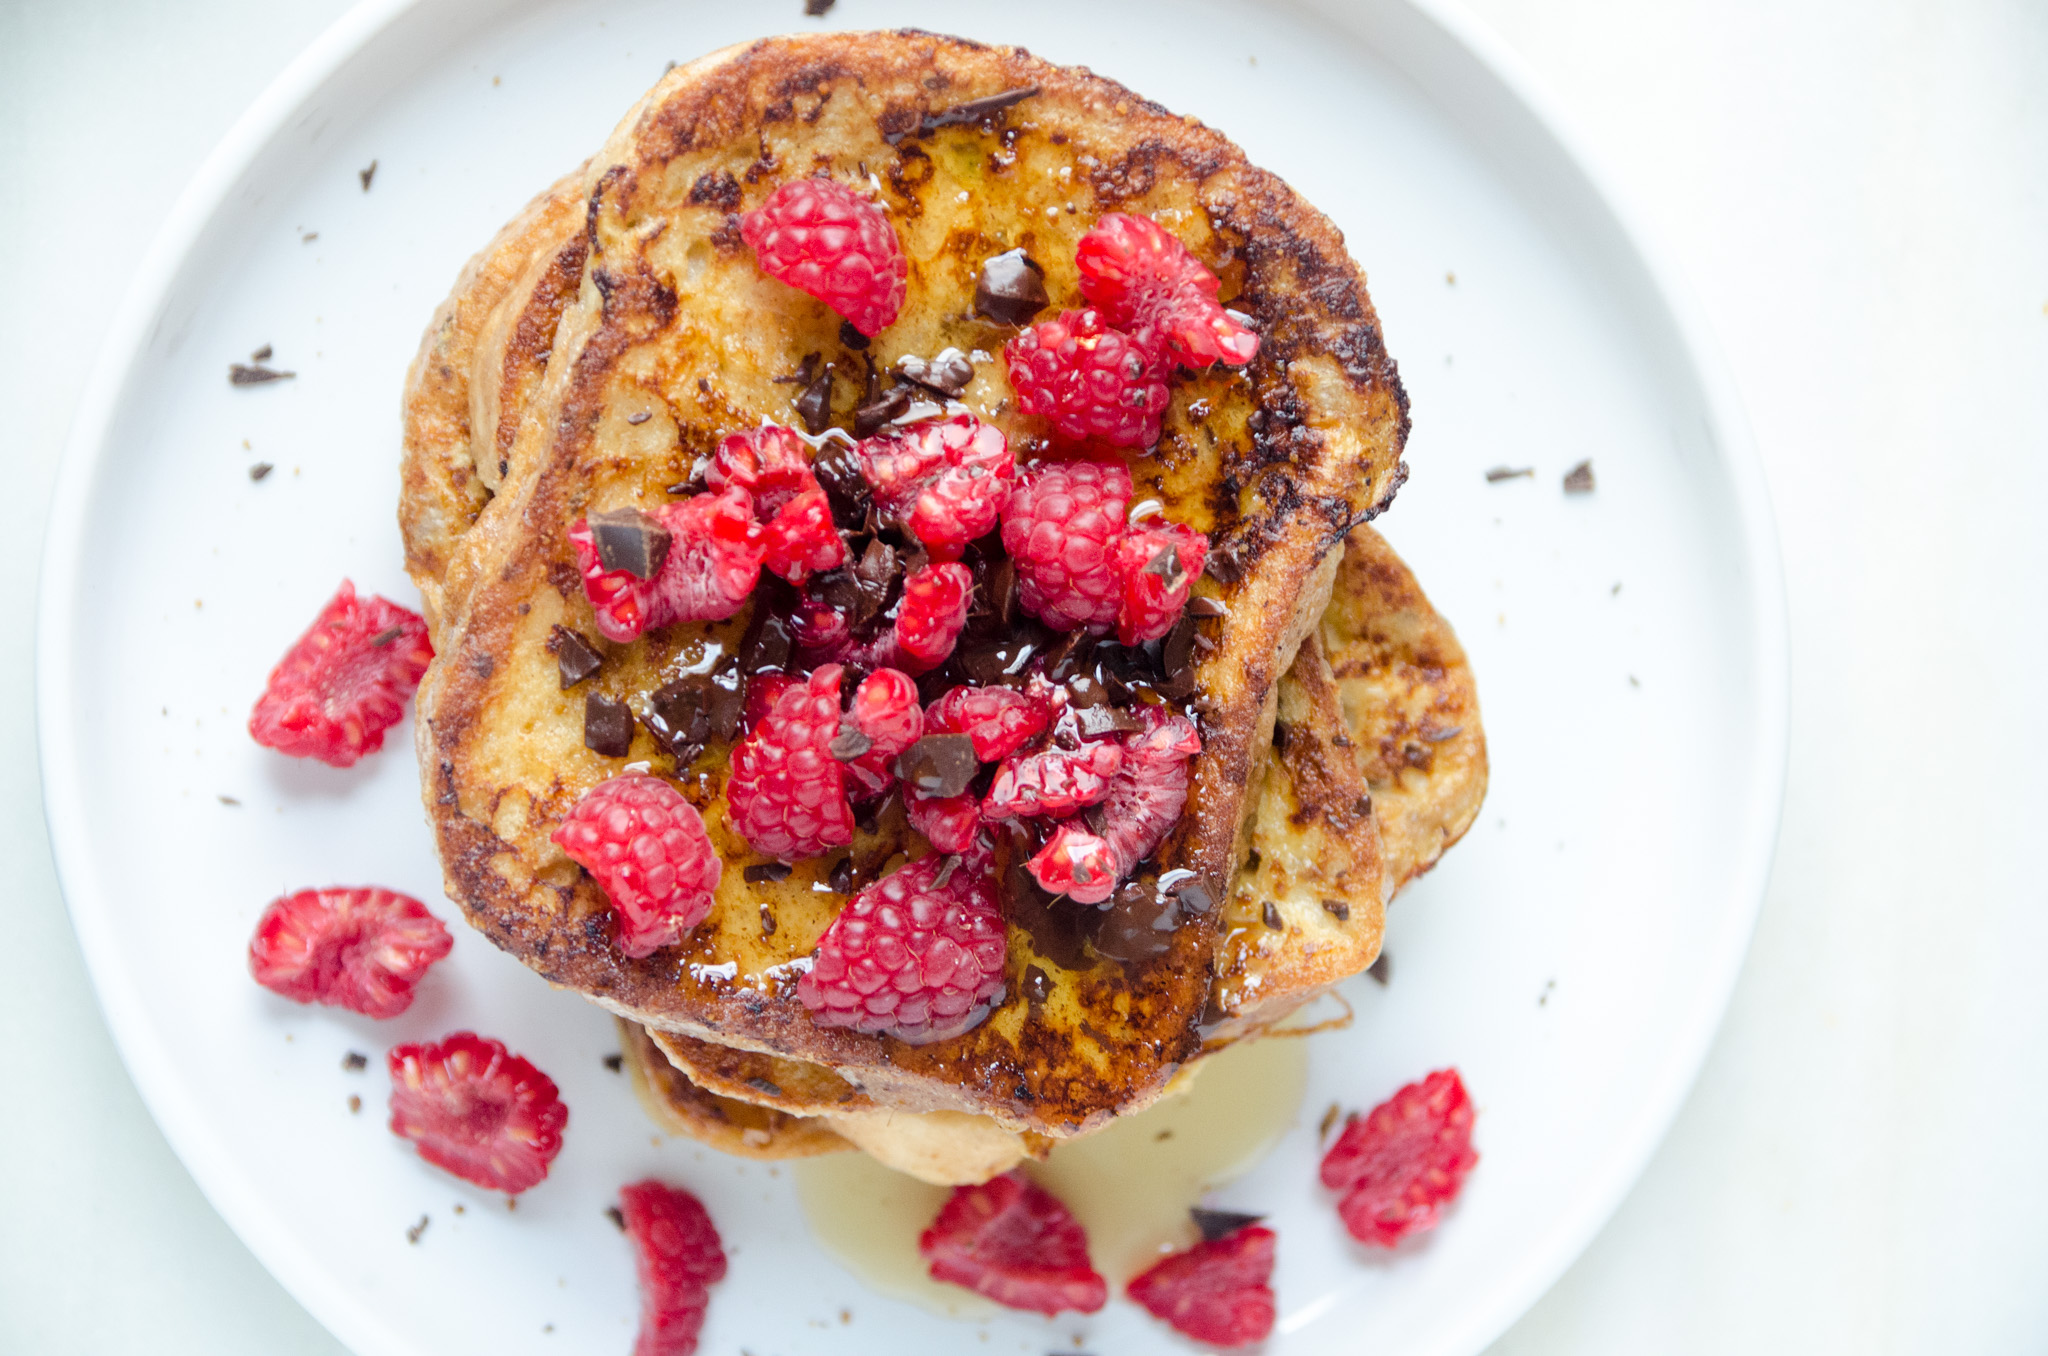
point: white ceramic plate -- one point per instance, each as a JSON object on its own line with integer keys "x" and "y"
{"x": 1572, "y": 956}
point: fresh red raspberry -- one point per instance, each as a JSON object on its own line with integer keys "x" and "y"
{"x": 713, "y": 563}
{"x": 886, "y": 714}
{"x": 932, "y": 615}
{"x": 787, "y": 794}
{"x": 473, "y": 1108}
{"x": 771, "y": 463}
{"x": 648, "y": 851}
{"x": 1000, "y": 720}
{"x": 1076, "y": 863}
{"x": 1013, "y": 1241}
{"x": 824, "y": 238}
{"x": 948, "y": 823}
{"x": 801, "y": 541}
{"x": 1091, "y": 381}
{"x": 1146, "y": 796}
{"x": 763, "y": 691}
{"x": 1061, "y": 527}
{"x": 1156, "y": 564}
{"x": 1145, "y": 283}
{"x": 912, "y": 956}
{"x": 1218, "y": 1292}
{"x": 1403, "y": 1161}
{"x": 360, "y": 949}
{"x": 944, "y": 479}
{"x": 345, "y": 682}
{"x": 617, "y": 597}
{"x": 678, "y": 1254}
{"x": 1053, "y": 782}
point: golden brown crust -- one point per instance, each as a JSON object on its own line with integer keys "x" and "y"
{"x": 680, "y": 1107}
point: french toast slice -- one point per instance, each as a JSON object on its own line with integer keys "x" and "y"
{"x": 1274, "y": 466}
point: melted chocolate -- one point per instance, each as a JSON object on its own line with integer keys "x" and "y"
{"x": 1011, "y": 289}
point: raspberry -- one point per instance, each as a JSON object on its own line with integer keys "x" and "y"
{"x": 345, "y": 682}
{"x": 1054, "y": 782}
{"x": 886, "y": 716}
{"x": 477, "y": 1110}
{"x": 1145, "y": 798}
{"x": 1013, "y": 1241}
{"x": 820, "y": 628}
{"x": 944, "y": 479}
{"x": 1090, "y": 380}
{"x": 1061, "y": 527}
{"x": 998, "y": 719}
{"x": 787, "y": 794}
{"x": 361, "y": 949}
{"x": 647, "y": 848}
{"x": 770, "y": 462}
{"x": 821, "y": 237}
{"x": 713, "y": 563}
{"x": 932, "y": 615}
{"x": 918, "y": 955}
{"x": 1218, "y": 1292}
{"x": 800, "y": 540}
{"x": 948, "y": 823}
{"x": 1156, "y": 566}
{"x": 1076, "y": 863}
{"x": 1403, "y": 1161}
{"x": 1145, "y": 282}
{"x": 678, "y": 1254}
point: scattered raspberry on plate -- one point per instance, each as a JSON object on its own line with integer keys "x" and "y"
{"x": 678, "y": 1255}
{"x": 1013, "y": 1241}
{"x": 1220, "y": 1291}
{"x": 362, "y": 949}
{"x": 475, "y": 1109}
{"x": 345, "y": 682}
{"x": 1402, "y": 1162}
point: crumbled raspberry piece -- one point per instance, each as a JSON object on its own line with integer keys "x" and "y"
{"x": 473, "y": 1108}
{"x": 617, "y": 597}
{"x": 998, "y": 719}
{"x": 1061, "y": 527}
{"x": 820, "y": 628}
{"x": 787, "y": 794}
{"x": 345, "y": 682}
{"x": 801, "y": 541}
{"x": 823, "y": 238}
{"x": 771, "y": 463}
{"x": 1090, "y": 380}
{"x": 1145, "y": 283}
{"x": 360, "y": 949}
{"x": 1219, "y": 1292}
{"x": 1053, "y": 782}
{"x": 917, "y": 955}
{"x": 648, "y": 851}
{"x": 713, "y": 563}
{"x": 1156, "y": 565}
{"x": 932, "y": 615}
{"x": 678, "y": 1255}
{"x": 944, "y": 479}
{"x": 1146, "y": 796}
{"x": 948, "y": 823}
{"x": 1013, "y": 1241}
{"x": 1076, "y": 863}
{"x": 1403, "y": 1161}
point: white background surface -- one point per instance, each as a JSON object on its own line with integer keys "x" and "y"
{"x": 1859, "y": 192}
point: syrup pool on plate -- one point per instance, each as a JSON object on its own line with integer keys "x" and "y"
{"x": 1130, "y": 1185}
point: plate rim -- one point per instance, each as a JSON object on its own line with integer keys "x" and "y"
{"x": 125, "y": 345}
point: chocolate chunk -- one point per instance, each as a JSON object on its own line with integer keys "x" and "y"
{"x": 962, "y": 115}
{"x": 1270, "y": 916}
{"x": 728, "y": 701}
{"x": 814, "y": 406}
{"x": 607, "y": 725}
{"x": 947, "y": 374}
{"x": 1337, "y": 909}
{"x": 817, "y": 8}
{"x": 761, "y": 872}
{"x": 849, "y": 743}
{"x": 412, "y": 1235}
{"x": 1166, "y": 564}
{"x": 768, "y": 915}
{"x": 939, "y": 765}
{"x": 1195, "y": 897}
{"x": 576, "y": 657}
{"x": 1579, "y": 480}
{"x": 838, "y": 470}
{"x": 1500, "y": 473}
{"x": 615, "y": 1062}
{"x": 1199, "y": 606}
{"x": 355, "y": 1061}
{"x": 1054, "y": 926}
{"x": 871, "y": 418}
{"x": 767, "y": 644}
{"x": 840, "y": 879}
{"x": 366, "y": 174}
{"x": 639, "y": 417}
{"x": 1216, "y": 1224}
{"x": 242, "y": 375}
{"x": 1138, "y": 923}
{"x": 998, "y": 592}
{"x": 679, "y": 716}
{"x": 997, "y": 661}
{"x": 1011, "y": 289}
{"x": 629, "y": 540}
{"x": 760, "y": 1084}
{"x": 877, "y": 569}
{"x": 260, "y": 470}
{"x": 1095, "y": 721}
{"x": 1225, "y": 565}
{"x": 852, "y": 337}
{"x": 946, "y": 870}
{"x": 1037, "y": 984}
{"x": 1177, "y": 657}
{"x": 616, "y": 1216}
{"x": 1382, "y": 969}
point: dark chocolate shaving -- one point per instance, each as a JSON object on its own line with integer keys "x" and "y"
{"x": 1337, "y": 909}
{"x": 616, "y": 1216}
{"x": 1216, "y": 1224}
{"x": 1225, "y": 566}
{"x": 849, "y": 743}
{"x": 817, "y": 8}
{"x": 1166, "y": 564}
{"x": 873, "y": 417}
{"x": 814, "y": 405}
{"x": 355, "y": 1061}
{"x": 615, "y": 1062}
{"x": 1037, "y": 984}
{"x": 679, "y": 716}
{"x": 761, "y": 872}
{"x": 242, "y": 375}
{"x": 639, "y": 416}
{"x": 1579, "y": 480}
{"x": 1138, "y": 923}
{"x": 607, "y": 725}
{"x": 939, "y": 765}
{"x": 1382, "y": 969}
{"x": 767, "y": 644}
{"x": 260, "y": 470}
{"x": 261, "y": 355}
{"x": 1011, "y": 288}
{"x": 383, "y": 639}
{"x": 1500, "y": 473}
{"x": 629, "y": 540}
{"x": 1199, "y": 606}
{"x": 961, "y": 115}
{"x": 840, "y": 879}
{"x": 838, "y": 470}
{"x": 947, "y": 374}
{"x": 1270, "y": 916}
{"x": 1447, "y": 732}
{"x": 575, "y": 656}
{"x": 767, "y": 918}
{"x": 366, "y": 174}
{"x": 412, "y": 1235}
{"x": 852, "y": 337}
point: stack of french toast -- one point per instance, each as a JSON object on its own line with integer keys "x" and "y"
{"x": 591, "y": 372}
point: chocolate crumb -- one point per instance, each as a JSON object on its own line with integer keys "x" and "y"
{"x": 1270, "y": 916}
{"x": 947, "y": 374}
{"x": 767, "y": 921}
{"x": 1037, "y": 984}
{"x": 366, "y": 174}
{"x": 412, "y": 1235}
{"x": 616, "y": 1216}
{"x": 1500, "y": 473}
{"x": 1337, "y": 909}
{"x": 355, "y": 1061}
{"x": 607, "y": 726}
{"x": 240, "y": 374}
{"x": 639, "y": 416}
{"x": 946, "y": 870}
{"x": 1011, "y": 288}
{"x": 817, "y": 8}
{"x": 840, "y": 880}
{"x": 575, "y": 656}
{"x": 1579, "y": 480}
{"x": 761, "y": 872}
{"x": 1225, "y": 566}
{"x": 383, "y": 639}
{"x": 226, "y": 799}
{"x": 629, "y": 540}
{"x": 355, "y": 1104}
{"x": 814, "y": 405}
{"x": 679, "y": 715}
{"x": 1216, "y": 1224}
{"x": 1382, "y": 969}
{"x": 261, "y": 355}
{"x": 260, "y": 470}
{"x": 1329, "y": 1121}
{"x": 760, "y": 1084}
{"x": 615, "y": 1062}
{"x": 852, "y": 337}
{"x": 939, "y": 765}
